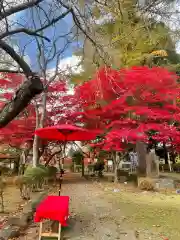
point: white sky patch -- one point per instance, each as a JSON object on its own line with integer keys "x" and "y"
{"x": 105, "y": 19}
{"x": 71, "y": 64}
{"x": 67, "y": 66}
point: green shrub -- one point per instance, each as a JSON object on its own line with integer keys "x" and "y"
{"x": 37, "y": 174}
{"x": 176, "y": 167}
{"x": 45, "y": 170}
{"x": 37, "y": 201}
{"x": 51, "y": 171}
{"x": 25, "y": 185}
{"x": 51, "y": 174}
{"x": 77, "y": 157}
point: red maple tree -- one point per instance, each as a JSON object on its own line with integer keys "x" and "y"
{"x": 21, "y": 129}
{"x": 127, "y": 104}
{"x": 130, "y": 105}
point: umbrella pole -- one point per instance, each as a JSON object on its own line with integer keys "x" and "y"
{"x": 60, "y": 183}
{"x": 61, "y": 174}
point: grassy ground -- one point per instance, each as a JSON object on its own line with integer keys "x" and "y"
{"x": 171, "y": 175}
{"x": 148, "y": 212}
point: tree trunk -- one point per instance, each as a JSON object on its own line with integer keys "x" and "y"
{"x": 115, "y": 173}
{"x": 44, "y": 101}
{"x": 141, "y": 151}
{"x": 82, "y": 164}
{"x": 49, "y": 159}
{"x": 16, "y": 166}
{"x": 35, "y": 159}
{"x": 173, "y": 157}
{"x": 115, "y": 166}
{"x": 2, "y": 201}
{"x": 28, "y": 90}
{"x": 39, "y": 123}
{"x": 148, "y": 165}
{"x": 22, "y": 163}
{"x": 165, "y": 153}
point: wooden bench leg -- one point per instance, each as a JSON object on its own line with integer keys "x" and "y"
{"x": 56, "y": 235}
{"x": 40, "y": 230}
{"x": 59, "y": 232}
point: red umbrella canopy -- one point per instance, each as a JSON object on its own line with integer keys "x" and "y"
{"x": 66, "y": 132}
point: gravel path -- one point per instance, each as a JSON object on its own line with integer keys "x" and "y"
{"x": 92, "y": 216}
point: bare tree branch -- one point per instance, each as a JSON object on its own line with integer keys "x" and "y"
{"x": 13, "y": 71}
{"x": 18, "y": 8}
{"x": 50, "y": 158}
{"x": 8, "y": 49}
{"x": 54, "y": 20}
{"x": 35, "y": 33}
{"x": 23, "y": 30}
{"x": 102, "y": 54}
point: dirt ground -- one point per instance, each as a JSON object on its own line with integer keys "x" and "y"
{"x": 12, "y": 203}
{"x": 102, "y": 211}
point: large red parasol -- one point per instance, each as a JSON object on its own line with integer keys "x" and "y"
{"x": 66, "y": 132}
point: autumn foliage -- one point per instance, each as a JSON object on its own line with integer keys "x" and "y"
{"x": 128, "y": 105}
{"x": 131, "y": 105}
{"x": 21, "y": 129}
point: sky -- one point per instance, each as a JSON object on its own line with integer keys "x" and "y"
{"x": 62, "y": 27}
{"x": 27, "y": 42}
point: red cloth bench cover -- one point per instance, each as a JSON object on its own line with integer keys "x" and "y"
{"x": 54, "y": 208}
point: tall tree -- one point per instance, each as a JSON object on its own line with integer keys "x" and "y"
{"x": 52, "y": 12}
{"x": 118, "y": 30}
{"x": 131, "y": 106}
{"x": 130, "y": 37}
